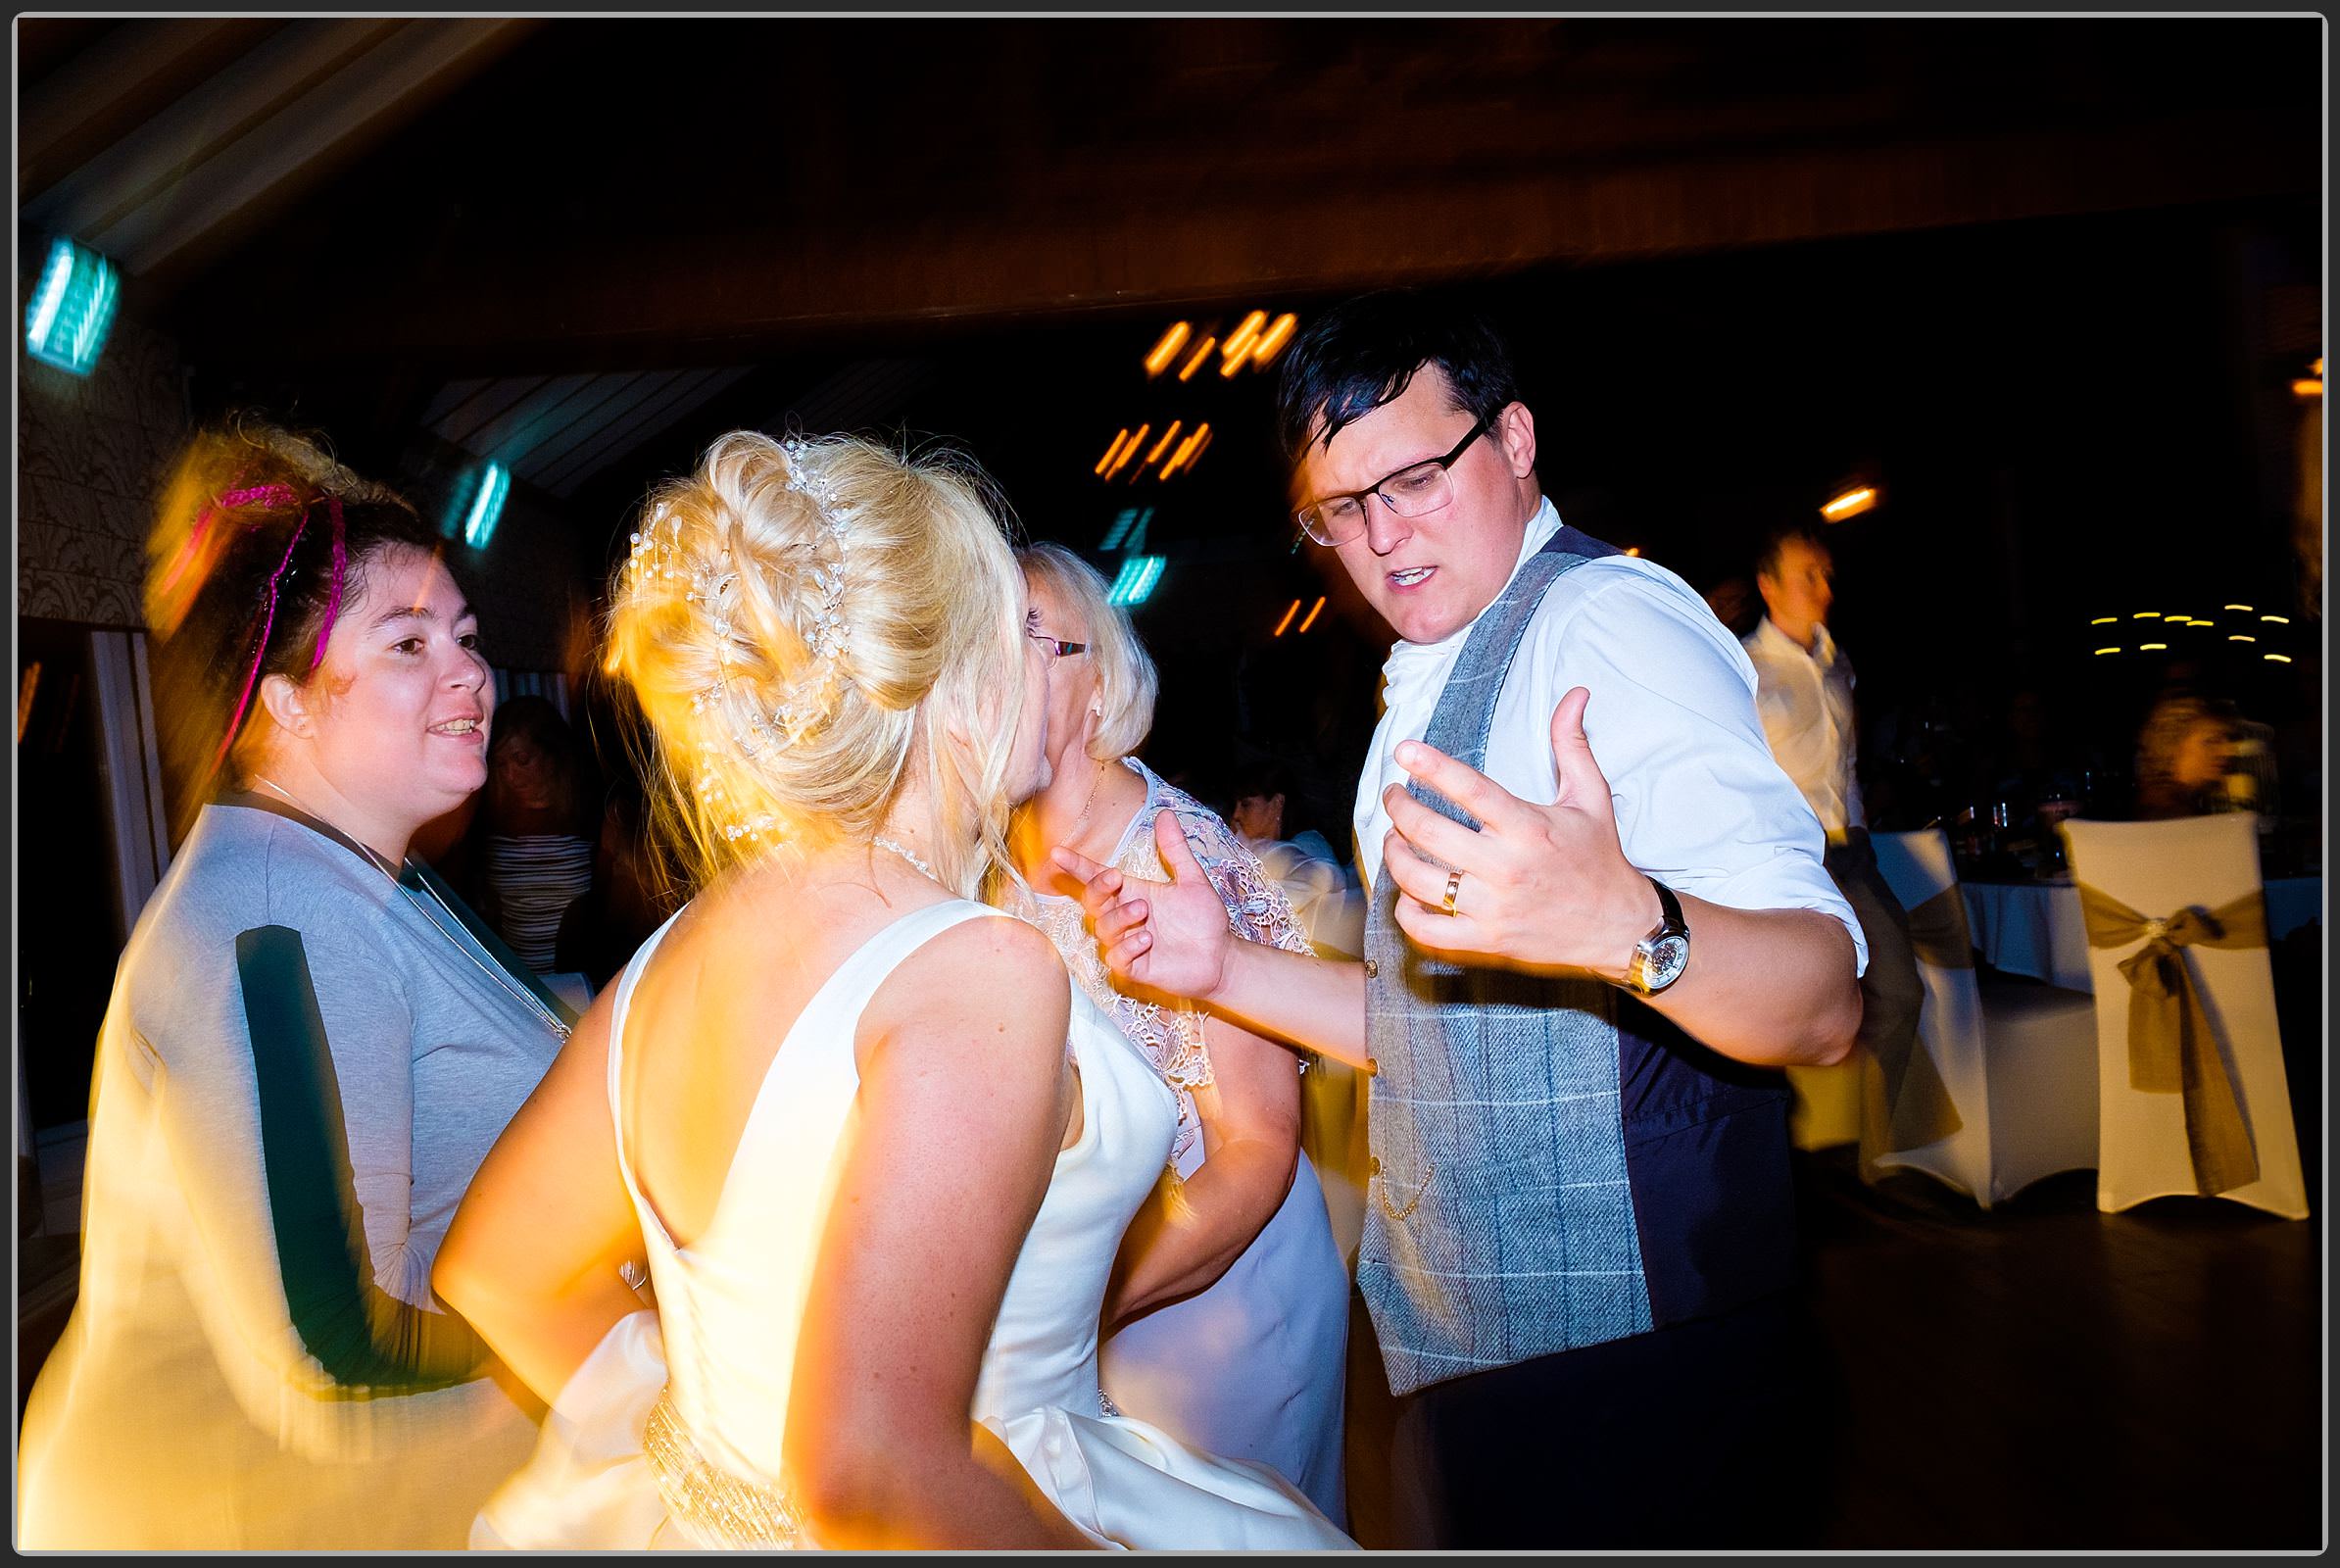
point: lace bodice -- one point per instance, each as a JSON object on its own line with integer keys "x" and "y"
{"x": 1171, "y": 1035}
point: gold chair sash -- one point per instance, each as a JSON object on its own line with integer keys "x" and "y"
{"x": 1938, "y": 931}
{"x": 1917, "y": 1108}
{"x": 2174, "y": 1046}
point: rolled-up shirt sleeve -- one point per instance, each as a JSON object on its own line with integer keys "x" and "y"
{"x": 1700, "y": 803}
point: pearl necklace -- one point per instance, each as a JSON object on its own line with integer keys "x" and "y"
{"x": 884, "y": 843}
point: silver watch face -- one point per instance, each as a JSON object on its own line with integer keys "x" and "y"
{"x": 1666, "y": 958}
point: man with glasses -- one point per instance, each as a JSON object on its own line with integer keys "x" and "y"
{"x": 1578, "y": 1251}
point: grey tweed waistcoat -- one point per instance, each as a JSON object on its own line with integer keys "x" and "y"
{"x": 1513, "y": 1117}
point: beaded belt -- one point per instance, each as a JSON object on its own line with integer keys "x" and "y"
{"x": 711, "y": 1502}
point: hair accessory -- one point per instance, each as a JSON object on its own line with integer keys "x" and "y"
{"x": 810, "y": 700}
{"x": 269, "y": 495}
{"x": 324, "y": 627}
{"x": 260, "y": 650}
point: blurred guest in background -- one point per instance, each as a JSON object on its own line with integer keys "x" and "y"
{"x": 629, "y": 897}
{"x": 536, "y": 825}
{"x": 1228, "y": 1322}
{"x": 1733, "y": 602}
{"x": 307, "y": 1055}
{"x": 1314, "y": 875}
{"x": 2182, "y": 754}
{"x": 1804, "y": 692}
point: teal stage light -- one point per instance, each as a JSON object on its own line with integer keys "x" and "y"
{"x": 1138, "y": 574}
{"x": 72, "y": 308}
{"x": 478, "y": 506}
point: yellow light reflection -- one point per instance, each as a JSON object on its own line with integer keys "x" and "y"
{"x": 2147, "y": 647}
{"x": 1312, "y": 610}
{"x": 1187, "y": 451}
{"x": 2149, "y": 614}
{"x": 2310, "y": 388}
{"x": 2245, "y": 609}
{"x": 1208, "y": 435}
{"x": 1161, "y": 446}
{"x": 1202, "y": 353}
{"x": 2276, "y": 659}
{"x": 2105, "y": 621}
{"x": 1288, "y": 614}
{"x": 2102, "y": 650}
{"x": 2238, "y": 637}
{"x": 1239, "y": 341}
{"x": 1113, "y": 451}
{"x": 1159, "y": 360}
{"x": 2280, "y": 620}
{"x": 1272, "y": 341}
{"x": 1850, "y": 504}
{"x": 1129, "y": 451}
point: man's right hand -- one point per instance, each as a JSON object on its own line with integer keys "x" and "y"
{"x": 1171, "y": 938}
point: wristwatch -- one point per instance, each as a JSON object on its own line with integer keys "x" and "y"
{"x": 1660, "y": 957}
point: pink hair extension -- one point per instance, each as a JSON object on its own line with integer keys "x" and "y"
{"x": 269, "y": 495}
{"x": 260, "y": 653}
{"x": 332, "y": 594}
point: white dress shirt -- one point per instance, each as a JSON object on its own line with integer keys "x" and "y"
{"x": 1806, "y": 699}
{"x": 1700, "y": 804}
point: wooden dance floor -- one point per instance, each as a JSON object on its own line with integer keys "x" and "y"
{"x": 2040, "y": 1377}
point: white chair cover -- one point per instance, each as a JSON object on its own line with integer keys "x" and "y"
{"x": 2019, "y": 1062}
{"x": 2158, "y": 869}
{"x": 1917, "y": 868}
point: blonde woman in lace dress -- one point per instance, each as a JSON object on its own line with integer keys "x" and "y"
{"x": 1228, "y": 1319}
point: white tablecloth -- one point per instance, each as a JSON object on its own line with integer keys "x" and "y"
{"x": 2035, "y": 928}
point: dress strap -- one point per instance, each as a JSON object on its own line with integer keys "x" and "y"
{"x": 617, "y": 1011}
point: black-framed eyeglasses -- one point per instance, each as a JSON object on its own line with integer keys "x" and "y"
{"x": 1410, "y": 492}
{"x": 1056, "y": 645}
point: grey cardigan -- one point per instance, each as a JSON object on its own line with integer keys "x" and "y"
{"x": 212, "y": 1391}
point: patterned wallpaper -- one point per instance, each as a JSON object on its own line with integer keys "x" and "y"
{"x": 92, "y": 455}
{"x": 95, "y": 451}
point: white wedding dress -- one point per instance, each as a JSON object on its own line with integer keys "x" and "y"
{"x": 670, "y": 1433}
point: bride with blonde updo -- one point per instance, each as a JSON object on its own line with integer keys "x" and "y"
{"x": 812, "y": 1255}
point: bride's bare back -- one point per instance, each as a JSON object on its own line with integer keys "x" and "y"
{"x": 712, "y": 1009}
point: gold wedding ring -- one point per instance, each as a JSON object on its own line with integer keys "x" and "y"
{"x": 1454, "y": 886}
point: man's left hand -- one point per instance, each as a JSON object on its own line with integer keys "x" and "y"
{"x": 1543, "y": 887}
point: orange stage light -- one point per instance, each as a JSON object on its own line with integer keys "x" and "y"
{"x": 1159, "y": 360}
{"x": 1272, "y": 341}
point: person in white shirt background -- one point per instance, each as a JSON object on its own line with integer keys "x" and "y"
{"x": 1805, "y": 697}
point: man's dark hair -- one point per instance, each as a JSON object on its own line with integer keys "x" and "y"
{"x": 1776, "y": 543}
{"x": 1364, "y": 352}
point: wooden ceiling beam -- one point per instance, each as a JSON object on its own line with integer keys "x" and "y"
{"x": 671, "y": 301}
